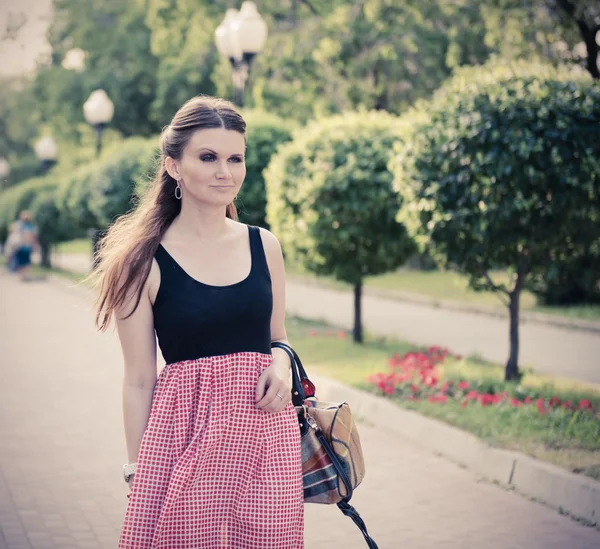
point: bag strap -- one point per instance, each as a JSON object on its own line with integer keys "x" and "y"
{"x": 351, "y": 512}
{"x": 299, "y": 394}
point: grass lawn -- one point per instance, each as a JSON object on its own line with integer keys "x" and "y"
{"x": 568, "y": 439}
{"x": 80, "y": 246}
{"x": 448, "y": 285}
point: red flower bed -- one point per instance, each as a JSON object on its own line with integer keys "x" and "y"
{"x": 416, "y": 376}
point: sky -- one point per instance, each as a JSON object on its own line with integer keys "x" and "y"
{"x": 19, "y": 49}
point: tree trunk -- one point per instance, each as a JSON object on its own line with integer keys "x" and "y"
{"x": 512, "y": 366}
{"x": 357, "y": 334}
{"x": 588, "y": 32}
{"x": 591, "y": 46}
{"x": 45, "y": 255}
{"x": 294, "y": 12}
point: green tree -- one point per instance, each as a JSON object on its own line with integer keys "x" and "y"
{"x": 331, "y": 201}
{"x": 265, "y": 132}
{"x": 504, "y": 174}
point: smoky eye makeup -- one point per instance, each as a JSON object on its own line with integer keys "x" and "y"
{"x": 210, "y": 157}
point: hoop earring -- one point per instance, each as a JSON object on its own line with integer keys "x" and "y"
{"x": 178, "y": 191}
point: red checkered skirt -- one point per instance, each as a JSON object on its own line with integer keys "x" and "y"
{"x": 213, "y": 470}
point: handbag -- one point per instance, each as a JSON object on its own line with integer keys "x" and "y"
{"x": 332, "y": 459}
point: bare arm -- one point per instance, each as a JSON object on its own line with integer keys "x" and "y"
{"x": 138, "y": 345}
{"x": 276, "y": 379}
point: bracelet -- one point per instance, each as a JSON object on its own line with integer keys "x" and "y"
{"x": 288, "y": 356}
{"x": 129, "y": 470}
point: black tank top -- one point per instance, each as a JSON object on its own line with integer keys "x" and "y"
{"x": 194, "y": 320}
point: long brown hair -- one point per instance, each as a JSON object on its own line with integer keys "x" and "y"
{"x": 125, "y": 253}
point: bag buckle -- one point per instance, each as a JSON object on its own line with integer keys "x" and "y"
{"x": 310, "y": 420}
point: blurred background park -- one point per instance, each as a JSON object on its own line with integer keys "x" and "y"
{"x": 419, "y": 157}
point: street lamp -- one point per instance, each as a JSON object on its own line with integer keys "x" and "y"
{"x": 98, "y": 111}
{"x": 46, "y": 151}
{"x": 239, "y": 37}
{"x": 74, "y": 60}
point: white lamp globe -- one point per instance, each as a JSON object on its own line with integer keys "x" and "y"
{"x": 98, "y": 109}
{"x": 4, "y": 168}
{"x": 74, "y": 60}
{"x": 225, "y": 39}
{"x": 46, "y": 149}
{"x": 250, "y": 29}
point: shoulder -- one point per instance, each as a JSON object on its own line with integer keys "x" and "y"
{"x": 138, "y": 286}
{"x": 270, "y": 242}
{"x": 272, "y": 247}
{"x": 273, "y": 253}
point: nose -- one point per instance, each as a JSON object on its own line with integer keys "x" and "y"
{"x": 223, "y": 172}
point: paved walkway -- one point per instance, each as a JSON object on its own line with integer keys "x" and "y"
{"x": 62, "y": 446}
{"x": 554, "y": 350}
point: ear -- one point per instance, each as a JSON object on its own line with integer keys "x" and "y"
{"x": 172, "y": 168}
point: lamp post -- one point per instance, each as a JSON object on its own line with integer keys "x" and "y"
{"x": 4, "y": 171}
{"x": 240, "y": 37}
{"x": 98, "y": 111}
{"x": 46, "y": 150}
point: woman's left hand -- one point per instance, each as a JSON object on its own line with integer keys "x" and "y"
{"x": 275, "y": 380}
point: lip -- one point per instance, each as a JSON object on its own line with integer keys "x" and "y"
{"x": 222, "y": 186}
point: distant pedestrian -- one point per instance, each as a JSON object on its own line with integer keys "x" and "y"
{"x": 213, "y": 442}
{"x": 22, "y": 241}
{"x": 12, "y": 245}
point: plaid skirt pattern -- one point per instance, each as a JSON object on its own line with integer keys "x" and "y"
{"x": 214, "y": 471}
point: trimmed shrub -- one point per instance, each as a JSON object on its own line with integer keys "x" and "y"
{"x": 331, "y": 201}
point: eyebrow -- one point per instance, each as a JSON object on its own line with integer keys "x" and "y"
{"x": 217, "y": 154}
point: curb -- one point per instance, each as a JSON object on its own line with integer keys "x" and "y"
{"x": 565, "y": 491}
{"x": 525, "y": 316}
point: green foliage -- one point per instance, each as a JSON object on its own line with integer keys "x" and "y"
{"x": 52, "y": 226}
{"x": 114, "y": 182}
{"x": 18, "y": 121}
{"x": 21, "y": 197}
{"x": 265, "y": 132}
{"x": 331, "y": 201}
{"x": 572, "y": 281}
{"x": 95, "y": 193}
{"x": 505, "y": 171}
{"x": 152, "y": 55}
{"x": 182, "y": 41}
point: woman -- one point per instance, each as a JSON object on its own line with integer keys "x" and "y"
{"x": 213, "y": 442}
